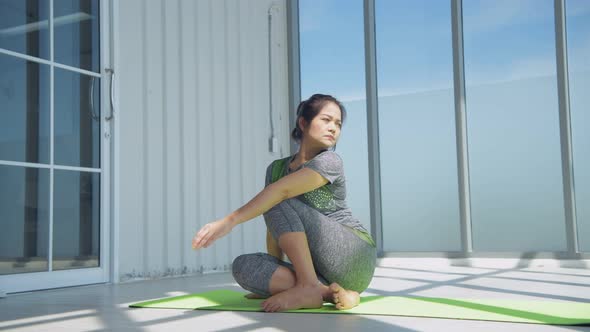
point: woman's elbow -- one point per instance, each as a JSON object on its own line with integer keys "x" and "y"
{"x": 280, "y": 193}
{"x": 285, "y": 195}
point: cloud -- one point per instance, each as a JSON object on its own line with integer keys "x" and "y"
{"x": 384, "y": 91}
{"x": 352, "y": 96}
{"x": 531, "y": 67}
{"x": 492, "y": 15}
{"x": 408, "y": 90}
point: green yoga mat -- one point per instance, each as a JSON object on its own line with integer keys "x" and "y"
{"x": 518, "y": 311}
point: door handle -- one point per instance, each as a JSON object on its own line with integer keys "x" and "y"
{"x": 112, "y": 93}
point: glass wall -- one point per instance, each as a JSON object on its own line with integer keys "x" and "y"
{"x": 419, "y": 189}
{"x": 50, "y": 168}
{"x": 332, "y": 60}
{"x": 24, "y": 218}
{"x": 513, "y": 126}
{"x": 578, "y": 50}
{"x": 513, "y": 141}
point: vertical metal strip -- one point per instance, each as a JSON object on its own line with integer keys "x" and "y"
{"x": 565, "y": 129}
{"x": 294, "y": 67}
{"x": 271, "y": 139}
{"x": 144, "y": 228}
{"x": 461, "y": 126}
{"x": 240, "y": 116}
{"x": 108, "y": 217}
{"x": 164, "y": 126}
{"x": 197, "y": 125}
{"x": 373, "y": 125}
{"x": 51, "y": 134}
{"x": 182, "y": 155}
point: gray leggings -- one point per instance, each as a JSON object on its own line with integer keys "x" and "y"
{"x": 338, "y": 254}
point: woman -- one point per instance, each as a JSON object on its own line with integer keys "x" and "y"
{"x": 332, "y": 256}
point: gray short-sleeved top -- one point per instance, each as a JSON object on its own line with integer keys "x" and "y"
{"x": 329, "y": 199}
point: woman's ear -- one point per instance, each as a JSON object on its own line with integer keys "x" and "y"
{"x": 301, "y": 123}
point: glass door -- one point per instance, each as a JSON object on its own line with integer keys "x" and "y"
{"x": 52, "y": 152}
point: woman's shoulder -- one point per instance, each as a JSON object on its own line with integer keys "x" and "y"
{"x": 331, "y": 153}
{"x": 326, "y": 160}
{"x": 330, "y": 156}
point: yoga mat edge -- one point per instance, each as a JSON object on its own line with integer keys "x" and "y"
{"x": 515, "y": 311}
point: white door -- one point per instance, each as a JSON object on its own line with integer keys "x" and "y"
{"x": 54, "y": 144}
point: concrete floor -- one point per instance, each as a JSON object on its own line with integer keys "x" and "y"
{"x": 104, "y": 307}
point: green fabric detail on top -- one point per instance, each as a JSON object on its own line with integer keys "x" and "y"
{"x": 278, "y": 169}
{"x": 364, "y": 236}
{"x": 319, "y": 197}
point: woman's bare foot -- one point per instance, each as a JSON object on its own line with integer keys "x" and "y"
{"x": 254, "y": 296}
{"x": 344, "y": 299}
{"x": 298, "y": 297}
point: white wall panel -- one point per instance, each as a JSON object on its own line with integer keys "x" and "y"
{"x": 193, "y": 96}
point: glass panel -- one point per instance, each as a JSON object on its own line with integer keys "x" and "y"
{"x": 76, "y": 214}
{"x": 419, "y": 184}
{"x": 513, "y": 126}
{"x": 24, "y": 110}
{"x": 24, "y": 27}
{"x": 578, "y": 44}
{"x": 77, "y": 33}
{"x": 333, "y": 62}
{"x": 77, "y": 120}
{"x": 24, "y": 219}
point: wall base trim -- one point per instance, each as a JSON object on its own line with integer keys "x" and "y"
{"x": 496, "y": 261}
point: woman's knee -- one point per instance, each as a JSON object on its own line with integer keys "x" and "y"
{"x": 283, "y": 218}
{"x": 248, "y": 263}
{"x": 241, "y": 264}
{"x": 254, "y": 271}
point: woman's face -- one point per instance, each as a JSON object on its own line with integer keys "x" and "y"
{"x": 324, "y": 129}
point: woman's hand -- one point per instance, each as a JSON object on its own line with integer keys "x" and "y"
{"x": 211, "y": 232}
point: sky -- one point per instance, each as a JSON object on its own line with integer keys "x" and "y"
{"x": 503, "y": 40}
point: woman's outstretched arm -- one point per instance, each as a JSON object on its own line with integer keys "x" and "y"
{"x": 292, "y": 185}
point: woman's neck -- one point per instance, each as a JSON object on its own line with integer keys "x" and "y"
{"x": 306, "y": 153}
